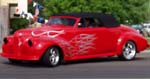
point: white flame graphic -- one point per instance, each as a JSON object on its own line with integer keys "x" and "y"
{"x": 49, "y": 33}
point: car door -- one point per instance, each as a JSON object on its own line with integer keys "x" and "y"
{"x": 106, "y": 39}
{"x": 95, "y": 40}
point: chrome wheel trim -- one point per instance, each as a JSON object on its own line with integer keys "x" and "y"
{"x": 129, "y": 50}
{"x": 54, "y": 56}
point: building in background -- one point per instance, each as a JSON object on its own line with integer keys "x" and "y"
{"x": 7, "y": 10}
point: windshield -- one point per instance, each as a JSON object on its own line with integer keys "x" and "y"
{"x": 64, "y": 21}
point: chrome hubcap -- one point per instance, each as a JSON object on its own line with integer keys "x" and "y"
{"x": 54, "y": 56}
{"x": 129, "y": 50}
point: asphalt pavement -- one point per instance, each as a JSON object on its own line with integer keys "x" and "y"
{"x": 84, "y": 69}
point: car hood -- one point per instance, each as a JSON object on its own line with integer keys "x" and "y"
{"x": 45, "y": 30}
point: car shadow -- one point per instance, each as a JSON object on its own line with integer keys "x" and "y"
{"x": 69, "y": 63}
{"x": 25, "y": 64}
{"x": 102, "y": 60}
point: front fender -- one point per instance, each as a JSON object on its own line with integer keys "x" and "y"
{"x": 43, "y": 44}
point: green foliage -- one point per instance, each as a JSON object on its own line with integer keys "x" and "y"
{"x": 18, "y": 23}
{"x": 31, "y": 9}
{"x": 126, "y": 11}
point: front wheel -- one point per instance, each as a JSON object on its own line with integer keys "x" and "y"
{"x": 128, "y": 51}
{"x": 52, "y": 57}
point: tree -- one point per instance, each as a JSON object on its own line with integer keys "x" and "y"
{"x": 126, "y": 11}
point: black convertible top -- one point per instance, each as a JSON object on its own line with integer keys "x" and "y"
{"x": 106, "y": 19}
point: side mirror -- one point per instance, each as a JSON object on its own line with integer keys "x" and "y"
{"x": 41, "y": 20}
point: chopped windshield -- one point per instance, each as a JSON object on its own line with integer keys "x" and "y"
{"x": 64, "y": 21}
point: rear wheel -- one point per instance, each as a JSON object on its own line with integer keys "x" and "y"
{"x": 128, "y": 51}
{"x": 52, "y": 57}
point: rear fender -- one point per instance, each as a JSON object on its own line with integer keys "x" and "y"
{"x": 122, "y": 40}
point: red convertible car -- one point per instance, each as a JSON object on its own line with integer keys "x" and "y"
{"x": 74, "y": 36}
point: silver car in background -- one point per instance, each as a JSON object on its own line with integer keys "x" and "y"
{"x": 141, "y": 29}
{"x": 146, "y": 26}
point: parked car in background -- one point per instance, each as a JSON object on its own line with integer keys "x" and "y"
{"x": 146, "y": 26}
{"x": 74, "y": 36}
{"x": 140, "y": 29}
